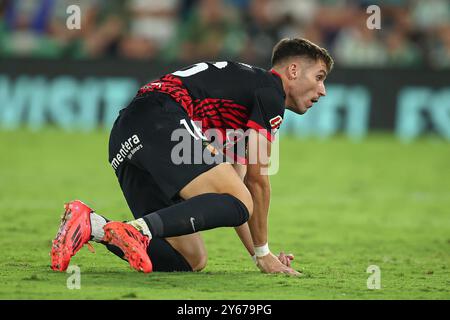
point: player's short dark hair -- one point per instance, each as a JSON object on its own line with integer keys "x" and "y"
{"x": 299, "y": 47}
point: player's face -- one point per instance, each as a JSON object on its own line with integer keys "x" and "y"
{"x": 306, "y": 84}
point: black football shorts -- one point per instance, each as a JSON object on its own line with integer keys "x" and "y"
{"x": 142, "y": 150}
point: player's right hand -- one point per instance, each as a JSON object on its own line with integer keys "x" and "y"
{"x": 271, "y": 264}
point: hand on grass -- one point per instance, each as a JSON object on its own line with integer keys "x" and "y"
{"x": 271, "y": 264}
{"x": 286, "y": 258}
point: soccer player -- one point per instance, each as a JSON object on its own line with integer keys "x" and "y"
{"x": 172, "y": 200}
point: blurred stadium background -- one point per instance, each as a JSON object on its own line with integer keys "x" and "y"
{"x": 341, "y": 205}
{"x": 394, "y": 78}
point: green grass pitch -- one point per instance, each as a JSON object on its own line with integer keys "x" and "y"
{"x": 339, "y": 206}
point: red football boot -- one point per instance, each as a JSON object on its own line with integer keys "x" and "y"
{"x": 131, "y": 242}
{"x": 73, "y": 233}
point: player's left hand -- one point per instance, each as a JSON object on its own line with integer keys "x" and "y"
{"x": 285, "y": 258}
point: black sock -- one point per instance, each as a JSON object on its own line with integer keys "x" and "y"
{"x": 203, "y": 212}
{"x": 112, "y": 248}
{"x": 116, "y": 250}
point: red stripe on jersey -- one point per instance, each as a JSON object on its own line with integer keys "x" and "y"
{"x": 239, "y": 122}
{"x": 222, "y": 113}
{"x": 259, "y": 128}
{"x": 230, "y": 103}
{"x": 212, "y": 112}
{"x": 275, "y": 73}
{"x": 220, "y": 107}
{"x": 214, "y": 107}
{"x": 174, "y": 87}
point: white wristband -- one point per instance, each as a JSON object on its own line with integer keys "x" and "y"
{"x": 254, "y": 258}
{"x": 262, "y": 250}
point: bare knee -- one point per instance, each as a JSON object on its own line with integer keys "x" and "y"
{"x": 198, "y": 263}
{"x": 192, "y": 248}
{"x": 196, "y": 256}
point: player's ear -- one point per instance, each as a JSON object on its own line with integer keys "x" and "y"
{"x": 292, "y": 71}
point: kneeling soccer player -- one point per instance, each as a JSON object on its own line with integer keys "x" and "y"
{"x": 173, "y": 201}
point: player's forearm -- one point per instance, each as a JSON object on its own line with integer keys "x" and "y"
{"x": 244, "y": 234}
{"x": 258, "y": 223}
{"x": 243, "y": 231}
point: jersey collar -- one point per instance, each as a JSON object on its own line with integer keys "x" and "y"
{"x": 277, "y": 78}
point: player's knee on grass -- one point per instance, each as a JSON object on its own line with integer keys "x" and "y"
{"x": 199, "y": 263}
{"x": 166, "y": 258}
{"x": 192, "y": 248}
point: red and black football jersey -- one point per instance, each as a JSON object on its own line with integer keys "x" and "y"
{"x": 226, "y": 95}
